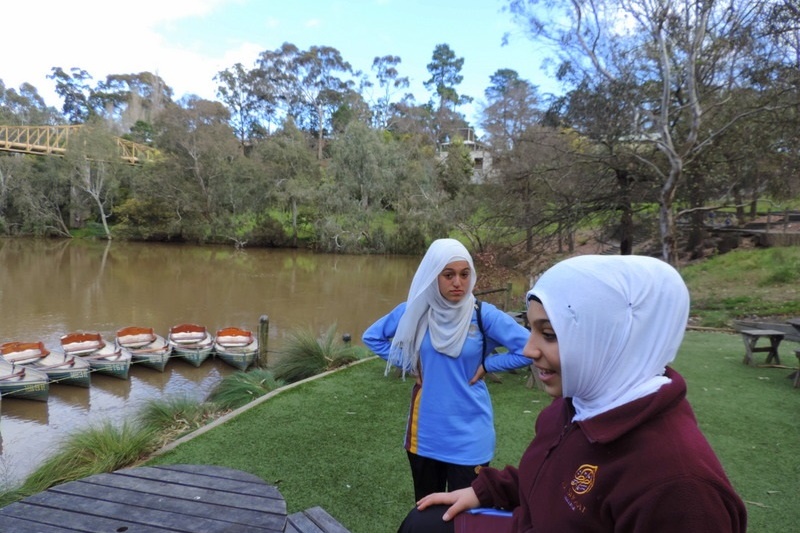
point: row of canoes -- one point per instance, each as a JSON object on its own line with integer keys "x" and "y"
{"x": 28, "y": 368}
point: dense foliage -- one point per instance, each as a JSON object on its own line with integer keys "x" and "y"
{"x": 683, "y": 110}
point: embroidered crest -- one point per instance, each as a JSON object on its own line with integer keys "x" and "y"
{"x": 584, "y": 479}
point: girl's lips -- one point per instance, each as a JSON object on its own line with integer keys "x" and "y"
{"x": 544, "y": 374}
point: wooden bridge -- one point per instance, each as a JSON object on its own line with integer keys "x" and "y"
{"x": 53, "y": 140}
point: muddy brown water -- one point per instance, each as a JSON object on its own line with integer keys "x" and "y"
{"x": 52, "y": 287}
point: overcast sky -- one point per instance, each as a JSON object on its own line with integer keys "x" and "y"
{"x": 187, "y": 42}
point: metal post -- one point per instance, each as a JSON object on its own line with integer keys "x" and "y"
{"x": 263, "y": 340}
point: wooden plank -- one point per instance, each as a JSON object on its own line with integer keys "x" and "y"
{"x": 238, "y": 494}
{"x": 300, "y": 523}
{"x": 98, "y": 511}
{"x": 271, "y": 516}
{"x": 43, "y": 519}
{"x": 326, "y": 522}
{"x": 25, "y": 525}
{"x": 314, "y": 520}
{"x": 153, "y": 499}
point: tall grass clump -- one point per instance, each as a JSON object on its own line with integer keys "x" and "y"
{"x": 173, "y": 417}
{"x": 241, "y": 388}
{"x": 91, "y": 451}
{"x": 305, "y": 355}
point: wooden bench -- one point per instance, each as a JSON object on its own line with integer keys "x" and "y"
{"x": 751, "y": 337}
{"x": 313, "y": 520}
{"x": 797, "y": 372}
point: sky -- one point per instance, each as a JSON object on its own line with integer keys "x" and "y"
{"x": 187, "y": 42}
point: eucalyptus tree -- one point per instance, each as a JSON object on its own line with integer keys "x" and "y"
{"x": 295, "y": 175}
{"x": 687, "y": 54}
{"x": 26, "y": 107}
{"x": 96, "y": 168}
{"x": 74, "y": 90}
{"x": 390, "y": 82}
{"x": 308, "y": 84}
{"x": 127, "y": 99}
{"x": 198, "y": 171}
{"x": 252, "y": 112}
{"x": 39, "y": 202}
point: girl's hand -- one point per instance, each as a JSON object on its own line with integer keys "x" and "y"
{"x": 478, "y": 375}
{"x": 458, "y": 500}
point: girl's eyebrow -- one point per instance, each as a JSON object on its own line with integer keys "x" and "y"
{"x": 542, "y": 322}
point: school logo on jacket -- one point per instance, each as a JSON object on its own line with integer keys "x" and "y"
{"x": 583, "y": 481}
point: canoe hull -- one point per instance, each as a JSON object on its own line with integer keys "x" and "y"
{"x": 153, "y": 351}
{"x": 191, "y": 342}
{"x": 237, "y": 347}
{"x": 23, "y": 383}
{"x": 65, "y": 369}
{"x": 195, "y": 357}
{"x": 239, "y": 358}
{"x": 111, "y": 360}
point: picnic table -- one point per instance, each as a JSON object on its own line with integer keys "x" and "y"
{"x": 178, "y": 498}
{"x": 751, "y": 338}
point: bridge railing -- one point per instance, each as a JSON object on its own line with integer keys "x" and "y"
{"x": 53, "y": 140}
{"x": 43, "y": 140}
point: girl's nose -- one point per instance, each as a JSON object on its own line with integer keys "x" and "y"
{"x": 530, "y": 351}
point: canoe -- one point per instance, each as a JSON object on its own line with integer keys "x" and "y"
{"x": 237, "y": 347}
{"x": 146, "y": 347}
{"x": 191, "y": 342}
{"x": 23, "y": 382}
{"x": 102, "y": 356}
{"x": 59, "y": 367}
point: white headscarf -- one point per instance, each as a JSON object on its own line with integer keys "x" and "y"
{"x": 426, "y": 308}
{"x": 619, "y": 321}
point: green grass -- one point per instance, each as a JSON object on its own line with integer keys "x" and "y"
{"x": 744, "y": 283}
{"x": 337, "y": 441}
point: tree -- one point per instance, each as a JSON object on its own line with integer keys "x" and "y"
{"x": 294, "y": 171}
{"x": 687, "y": 55}
{"x": 445, "y": 69}
{"x": 25, "y": 107}
{"x": 389, "y": 81}
{"x": 308, "y": 84}
{"x": 511, "y": 107}
{"x": 251, "y": 112}
{"x": 96, "y": 168}
{"x": 74, "y": 90}
{"x": 201, "y": 145}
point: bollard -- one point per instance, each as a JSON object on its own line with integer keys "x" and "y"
{"x": 263, "y": 340}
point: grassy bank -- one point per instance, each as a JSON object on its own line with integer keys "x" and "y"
{"x": 337, "y": 441}
{"x": 744, "y": 283}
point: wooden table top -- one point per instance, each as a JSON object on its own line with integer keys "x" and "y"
{"x": 178, "y": 498}
{"x": 763, "y": 332}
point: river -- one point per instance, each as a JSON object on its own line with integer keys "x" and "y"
{"x": 52, "y": 287}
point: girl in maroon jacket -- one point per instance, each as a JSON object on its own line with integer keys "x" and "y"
{"x": 619, "y": 448}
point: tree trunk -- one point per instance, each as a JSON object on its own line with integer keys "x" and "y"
{"x": 626, "y": 213}
{"x": 294, "y": 222}
{"x": 697, "y": 232}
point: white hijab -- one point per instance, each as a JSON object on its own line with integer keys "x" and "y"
{"x": 619, "y": 321}
{"x": 426, "y": 308}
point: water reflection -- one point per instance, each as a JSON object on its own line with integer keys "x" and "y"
{"x": 51, "y": 287}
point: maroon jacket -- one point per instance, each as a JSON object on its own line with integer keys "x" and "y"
{"x": 642, "y": 467}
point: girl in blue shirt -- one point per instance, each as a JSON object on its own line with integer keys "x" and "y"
{"x": 435, "y": 337}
